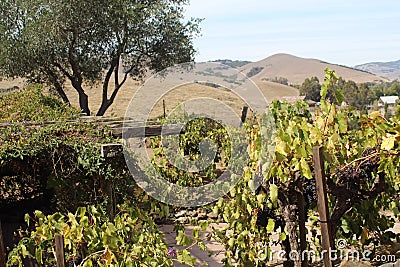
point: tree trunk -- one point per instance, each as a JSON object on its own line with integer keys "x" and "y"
{"x": 62, "y": 94}
{"x": 291, "y": 226}
{"x": 103, "y": 108}
{"x": 288, "y": 203}
{"x": 54, "y": 79}
{"x": 289, "y": 217}
{"x": 302, "y": 223}
{"x": 84, "y": 103}
{"x": 286, "y": 247}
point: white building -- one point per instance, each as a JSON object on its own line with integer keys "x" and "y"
{"x": 388, "y": 100}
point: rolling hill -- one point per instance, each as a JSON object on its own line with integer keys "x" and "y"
{"x": 390, "y": 70}
{"x": 292, "y": 68}
{"x": 297, "y": 69}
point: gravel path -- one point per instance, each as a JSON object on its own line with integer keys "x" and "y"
{"x": 215, "y": 260}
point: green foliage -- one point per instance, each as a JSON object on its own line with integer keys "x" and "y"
{"x": 349, "y": 142}
{"x": 280, "y": 80}
{"x": 383, "y": 89}
{"x": 197, "y": 131}
{"x": 398, "y": 111}
{"x": 90, "y": 41}
{"x": 91, "y": 239}
{"x": 64, "y": 155}
{"x": 254, "y": 71}
{"x": 232, "y": 63}
{"x": 35, "y": 156}
{"x": 311, "y": 88}
{"x": 31, "y": 105}
{"x": 359, "y": 96}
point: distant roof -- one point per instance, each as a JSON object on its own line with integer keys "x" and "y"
{"x": 292, "y": 99}
{"x": 389, "y": 99}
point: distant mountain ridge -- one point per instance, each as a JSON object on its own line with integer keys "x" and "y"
{"x": 232, "y": 63}
{"x": 389, "y": 70}
{"x": 296, "y": 69}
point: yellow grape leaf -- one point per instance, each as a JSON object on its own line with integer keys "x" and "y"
{"x": 305, "y": 169}
{"x": 282, "y": 148}
{"x": 261, "y": 197}
{"x": 375, "y": 115}
{"x": 388, "y": 142}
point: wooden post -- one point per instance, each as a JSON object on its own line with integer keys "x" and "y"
{"x": 110, "y": 151}
{"x": 165, "y": 112}
{"x": 60, "y": 254}
{"x": 111, "y": 204}
{"x": 2, "y": 249}
{"x": 322, "y": 202}
{"x": 244, "y": 114}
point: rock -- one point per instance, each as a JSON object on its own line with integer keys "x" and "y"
{"x": 202, "y": 216}
{"x": 192, "y": 213}
{"x": 201, "y": 210}
{"x": 212, "y": 216}
{"x": 180, "y": 213}
{"x": 183, "y": 220}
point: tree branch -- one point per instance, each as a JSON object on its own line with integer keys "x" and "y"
{"x": 107, "y": 81}
{"x": 114, "y": 94}
{"x": 116, "y": 75}
{"x": 54, "y": 79}
{"x": 64, "y": 71}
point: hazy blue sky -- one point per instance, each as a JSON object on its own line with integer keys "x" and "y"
{"x": 348, "y": 32}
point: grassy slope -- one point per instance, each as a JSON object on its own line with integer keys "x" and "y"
{"x": 296, "y": 69}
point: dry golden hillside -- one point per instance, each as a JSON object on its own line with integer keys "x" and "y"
{"x": 179, "y": 95}
{"x": 297, "y": 69}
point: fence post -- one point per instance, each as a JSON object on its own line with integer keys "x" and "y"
{"x": 244, "y": 114}
{"x": 111, "y": 204}
{"x": 2, "y": 249}
{"x": 60, "y": 254}
{"x": 165, "y": 112}
{"x": 322, "y": 202}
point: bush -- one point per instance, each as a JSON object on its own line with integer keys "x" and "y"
{"x": 254, "y": 71}
{"x": 91, "y": 239}
{"x": 31, "y": 105}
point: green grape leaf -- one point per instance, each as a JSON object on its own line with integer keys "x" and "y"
{"x": 39, "y": 255}
{"x": 305, "y": 169}
{"x": 184, "y": 257}
{"x": 270, "y": 226}
{"x": 273, "y": 194}
{"x": 88, "y": 263}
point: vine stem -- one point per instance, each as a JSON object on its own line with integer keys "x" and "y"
{"x": 100, "y": 252}
{"x": 91, "y": 255}
{"x": 359, "y": 159}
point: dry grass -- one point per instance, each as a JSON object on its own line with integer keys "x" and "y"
{"x": 293, "y": 68}
{"x": 173, "y": 98}
{"x": 297, "y": 69}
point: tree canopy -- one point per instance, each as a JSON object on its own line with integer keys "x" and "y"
{"x": 311, "y": 89}
{"x": 96, "y": 41}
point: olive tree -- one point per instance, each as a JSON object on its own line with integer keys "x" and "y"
{"x": 86, "y": 42}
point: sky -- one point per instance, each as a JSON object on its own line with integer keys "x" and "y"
{"x": 347, "y": 32}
